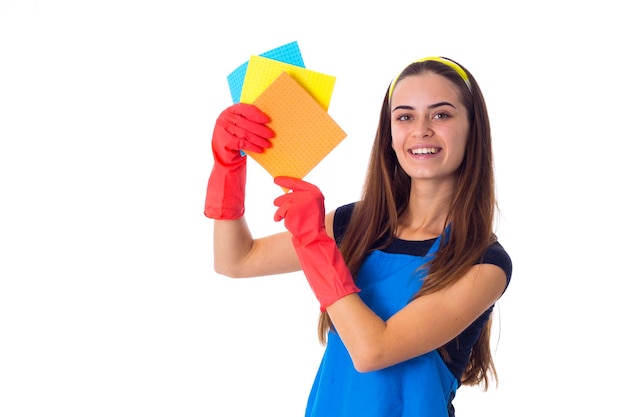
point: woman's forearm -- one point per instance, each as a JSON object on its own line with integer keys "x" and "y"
{"x": 237, "y": 254}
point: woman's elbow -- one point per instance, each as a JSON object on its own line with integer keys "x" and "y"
{"x": 226, "y": 269}
{"x": 365, "y": 367}
{"x": 368, "y": 362}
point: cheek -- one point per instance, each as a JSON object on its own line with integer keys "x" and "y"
{"x": 460, "y": 150}
{"x": 460, "y": 141}
{"x": 396, "y": 144}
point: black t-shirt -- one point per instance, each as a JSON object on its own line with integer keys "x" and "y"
{"x": 460, "y": 347}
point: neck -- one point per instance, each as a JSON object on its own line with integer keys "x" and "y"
{"x": 427, "y": 211}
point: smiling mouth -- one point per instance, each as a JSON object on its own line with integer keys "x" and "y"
{"x": 424, "y": 151}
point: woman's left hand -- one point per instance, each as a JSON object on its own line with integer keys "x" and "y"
{"x": 302, "y": 209}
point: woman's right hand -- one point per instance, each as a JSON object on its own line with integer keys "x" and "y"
{"x": 240, "y": 127}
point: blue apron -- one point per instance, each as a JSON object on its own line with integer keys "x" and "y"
{"x": 421, "y": 386}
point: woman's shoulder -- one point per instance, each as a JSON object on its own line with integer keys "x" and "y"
{"x": 341, "y": 219}
{"x": 497, "y": 255}
{"x": 346, "y": 209}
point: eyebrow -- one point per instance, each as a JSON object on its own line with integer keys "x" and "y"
{"x": 432, "y": 106}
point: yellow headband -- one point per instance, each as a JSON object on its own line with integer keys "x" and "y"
{"x": 443, "y": 60}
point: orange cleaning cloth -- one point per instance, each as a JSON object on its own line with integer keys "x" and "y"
{"x": 305, "y": 133}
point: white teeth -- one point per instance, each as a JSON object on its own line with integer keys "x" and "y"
{"x": 424, "y": 151}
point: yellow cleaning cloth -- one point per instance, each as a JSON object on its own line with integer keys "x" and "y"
{"x": 263, "y": 71}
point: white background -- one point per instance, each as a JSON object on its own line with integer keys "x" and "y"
{"x": 109, "y": 305}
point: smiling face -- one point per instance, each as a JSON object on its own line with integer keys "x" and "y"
{"x": 429, "y": 127}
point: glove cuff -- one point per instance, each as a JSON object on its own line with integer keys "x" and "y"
{"x": 326, "y": 271}
{"x": 225, "y": 195}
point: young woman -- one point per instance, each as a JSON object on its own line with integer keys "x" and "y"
{"x": 406, "y": 277}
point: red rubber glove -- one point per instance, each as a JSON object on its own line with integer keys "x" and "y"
{"x": 239, "y": 127}
{"x": 322, "y": 263}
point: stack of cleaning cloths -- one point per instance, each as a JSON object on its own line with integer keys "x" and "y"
{"x": 296, "y": 99}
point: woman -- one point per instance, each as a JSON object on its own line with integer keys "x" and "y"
{"x": 407, "y": 277}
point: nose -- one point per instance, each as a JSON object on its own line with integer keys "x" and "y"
{"x": 421, "y": 128}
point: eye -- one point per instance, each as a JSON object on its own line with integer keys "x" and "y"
{"x": 441, "y": 116}
{"x": 403, "y": 117}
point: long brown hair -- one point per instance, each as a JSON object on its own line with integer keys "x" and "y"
{"x": 385, "y": 198}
